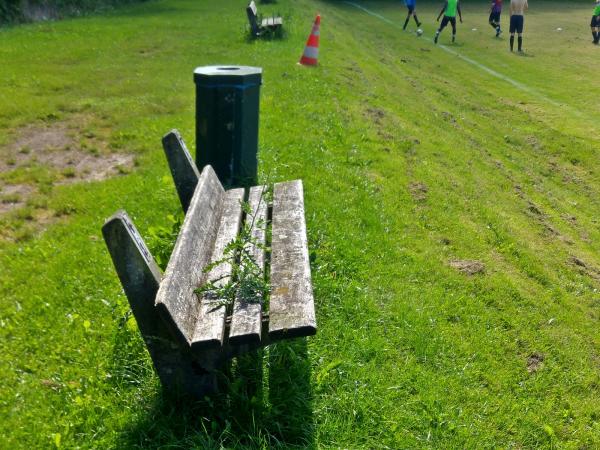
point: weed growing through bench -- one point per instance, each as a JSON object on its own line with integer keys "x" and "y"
{"x": 247, "y": 280}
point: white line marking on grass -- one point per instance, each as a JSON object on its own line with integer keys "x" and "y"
{"x": 477, "y": 64}
{"x": 374, "y": 14}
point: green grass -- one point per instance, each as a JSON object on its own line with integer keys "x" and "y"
{"x": 411, "y": 157}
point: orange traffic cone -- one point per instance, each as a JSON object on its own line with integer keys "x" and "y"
{"x": 311, "y": 51}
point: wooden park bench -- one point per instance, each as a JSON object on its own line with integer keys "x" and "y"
{"x": 258, "y": 26}
{"x": 190, "y": 336}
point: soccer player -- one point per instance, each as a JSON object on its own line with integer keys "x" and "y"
{"x": 411, "y": 4}
{"x": 449, "y": 10}
{"x": 596, "y": 23}
{"x": 494, "y": 19}
{"x": 517, "y": 9}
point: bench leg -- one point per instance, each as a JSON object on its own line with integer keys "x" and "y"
{"x": 179, "y": 371}
{"x": 183, "y": 169}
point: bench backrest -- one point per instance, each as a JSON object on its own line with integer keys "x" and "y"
{"x": 252, "y": 13}
{"x": 252, "y": 6}
{"x": 176, "y": 301}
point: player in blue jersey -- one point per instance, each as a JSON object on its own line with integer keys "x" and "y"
{"x": 411, "y": 5}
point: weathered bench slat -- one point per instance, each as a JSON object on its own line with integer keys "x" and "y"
{"x": 176, "y": 300}
{"x": 272, "y": 22}
{"x": 210, "y": 323}
{"x": 292, "y": 309}
{"x": 246, "y": 318}
{"x": 139, "y": 274}
{"x": 184, "y": 171}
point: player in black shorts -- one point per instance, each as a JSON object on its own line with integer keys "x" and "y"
{"x": 516, "y": 25}
{"x": 517, "y": 9}
{"x": 411, "y": 5}
{"x": 449, "y": 10}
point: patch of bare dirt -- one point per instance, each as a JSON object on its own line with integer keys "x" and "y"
{"x": 415, "y": 84}
{"x": 86, "y": 167}
{"x": 418, "y": 191}
{"x": 532, "y": 208}
{"x": 13, "y": 196}
{"x": 585, "y": 268}
{"x": 534, "y": 143}
{"x": 535, "y": 362}
{"x": 376, "y": 114}
{"x": 72, "y": 154}
{"x": 448, "y": 117}
{"x": 37, "y": 138}
{"x": 537, "y": 214}
{"x": 62, "y": 145}
{"x": 578, "y": 262}
{"x": 468, "y": 266}
{"x": 519, "y": 191}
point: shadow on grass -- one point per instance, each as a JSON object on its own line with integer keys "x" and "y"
{"x": 265, "y": 402}
{"x": 278, "y": 34}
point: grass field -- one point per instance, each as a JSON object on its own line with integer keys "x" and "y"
{"x": 415, "y": 159}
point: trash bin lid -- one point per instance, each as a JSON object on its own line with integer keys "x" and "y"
{"x": 227, "y": 75}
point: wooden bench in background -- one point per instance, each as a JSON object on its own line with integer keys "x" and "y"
{"x": 258, "y": 26}
{"x": 189, "y": 337}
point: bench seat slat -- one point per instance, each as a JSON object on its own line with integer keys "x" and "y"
{"x": 176, "y": 301}
{"x": 210, "y": 323}
{"x": 292, "y": 310}
{"x": 272, "y": 22}
{"x": 246, "y": 318}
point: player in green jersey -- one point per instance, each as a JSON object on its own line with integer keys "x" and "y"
{"x": 595, "y": 24}
{"x": 451, "y": 7}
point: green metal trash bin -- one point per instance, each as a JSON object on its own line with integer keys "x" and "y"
{"x": 227, "y": 102}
